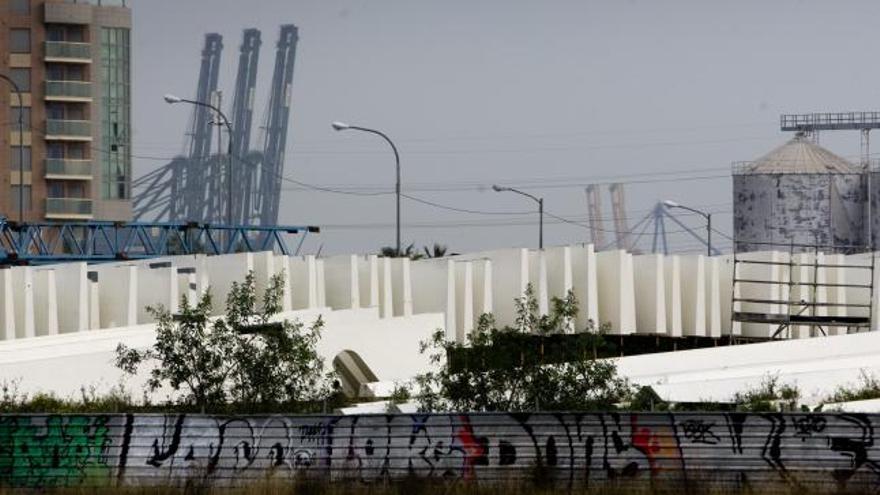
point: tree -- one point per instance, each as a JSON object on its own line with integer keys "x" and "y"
{"x": 510, "y": 369}
{"x": 245, "y": 358}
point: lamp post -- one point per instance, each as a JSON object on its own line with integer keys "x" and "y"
{"x": 20, "y": 147}
{"x": 540, "y": 202}
{"x": 708, "y": 216}
{"x": 341, "y": 126}
{"x": 171, "y": 100}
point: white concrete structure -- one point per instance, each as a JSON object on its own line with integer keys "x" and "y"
{"x": 71, "y": 313}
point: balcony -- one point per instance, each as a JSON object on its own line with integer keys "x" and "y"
{"x": 63, "y": 51}
{"x": 68, "y": 91}
{"x": 68, "y": 130}
{"x": 68, "y": 208}
{"x": 66, "y": 169}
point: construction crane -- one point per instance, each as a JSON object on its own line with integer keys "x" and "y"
{"x": 268, "y": 194}
{"x": 594, "y": 211}
{"x": 618, "y": 209}
{"x": 194, "y": 187}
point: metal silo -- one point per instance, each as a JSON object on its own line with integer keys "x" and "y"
{"x": 799, "y": 193}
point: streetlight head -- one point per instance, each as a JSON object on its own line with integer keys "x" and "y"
{"x": 171, "y": 99}
{"x": 497, "y": 188}
{"x": 340, "y": 126}
{"x": 670, "y": 204}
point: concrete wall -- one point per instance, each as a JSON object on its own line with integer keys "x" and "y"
{"x": 634, "y": 452}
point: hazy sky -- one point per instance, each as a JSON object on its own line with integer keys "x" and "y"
{"x": 544, "y": 95}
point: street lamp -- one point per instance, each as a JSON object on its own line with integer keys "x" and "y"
{"x": 20, "y": 147}
{"x": 708, "y": 216}
{"x": 342, "y": 126}
{"x": 540, "y": 202}
{"x": 171, "y": 100}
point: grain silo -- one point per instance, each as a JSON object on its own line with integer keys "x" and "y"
{"x": 799, "y": 193}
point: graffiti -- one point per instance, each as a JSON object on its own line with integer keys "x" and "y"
{"x": 53, "y": 450}
{"x": 699, "y": 431}
{"x": 828, "y": 452}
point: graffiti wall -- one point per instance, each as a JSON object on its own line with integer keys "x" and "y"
{"x": 826, "y": 452}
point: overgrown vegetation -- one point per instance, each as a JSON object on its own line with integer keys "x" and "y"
{"x": 245, "y": 358}
{"x": 531, "y": 384}
{"x": 770, "y": 395}
{"x": 436, "y": 251}
{"x": 867, "y": 388}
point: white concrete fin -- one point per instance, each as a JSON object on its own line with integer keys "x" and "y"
{"x": 264, "y": 270}
{"x": 614, "y": 272}
{"x": 368, "y": 280}
{"x": 464, "y": 301}
{"x": 386, "y": 303}
{"x": 94, "y": 306}
{"x": 71, "y": 281}
{"x": 538, "y": 279}
{"x": 7, "y": 305}
{"x": 23, "y": 297}
{"x": 401, "y": 286}
{"x": 342, "y": 282}
{"x": 672, "y": 268}
{"x": 558, "y": 275}
{"x": 510, "y": 277}
{"x": 774, "y": 273}
{"x": 223, "y": 271}
{"x": 725, "y": 287}
{"x": 584, "y": 284}
{"x": 713, "y": 297}
{"x": 482, "y": 288}
{"x": 45, "y": 302}
{"x": 157, "y": 287}
{"x": 303, "y": 279}
{"x": 282, "y": 269}
{"x": 321, "y": 284}
{"x": 117, "y": 295}
{"x": 435, "y": 290}
{"x": 650, "y": 293}
{"x": 693, "y": 295}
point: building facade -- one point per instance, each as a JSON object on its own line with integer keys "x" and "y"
{"x": 71, "y": 60}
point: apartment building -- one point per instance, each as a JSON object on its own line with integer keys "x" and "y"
{"x": 71, "y": 60}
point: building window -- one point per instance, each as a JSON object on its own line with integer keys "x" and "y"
{"x": 115, "y": 114}
{"x": 16, "y": 193}
{"x": 14, "y": 158}
{"x": 55, "y": 111}
{"x": 25, "y": 117}
{"x": 22, "y": 78}
{"x": 20, "y": 7}
{"x": 19, "y": 40}
{"x": 56, "y": 189}
{"x": 55, "y": 150}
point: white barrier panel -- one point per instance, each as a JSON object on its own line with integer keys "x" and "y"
{"x": 341, "y": 282}
{"x": 72, "y": 283}
{"x": 585, "y": 285}
{"x": 45, "y": 302}
{"x": 837, "y": 295}
{"x": 223, "y": 271}
{"x": 650, "y": 293}
{"x": 672, "y": 278}
{"x": 434, "y": 291}
{"x": 401, "y": 286}
{"x": 7, "y": 305}
{"x": 94, "y": 306}
{"x": 196, "y": 282}
{"x": 368, "y": 278}
{"x": 117, "y": 295}
{"x": 156, "y": 287}
{"x": 693, "y": 295}
{"x": 617, "y": 298}
{"x": 304, "y": 282}
{"x": 23, "y": 297}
